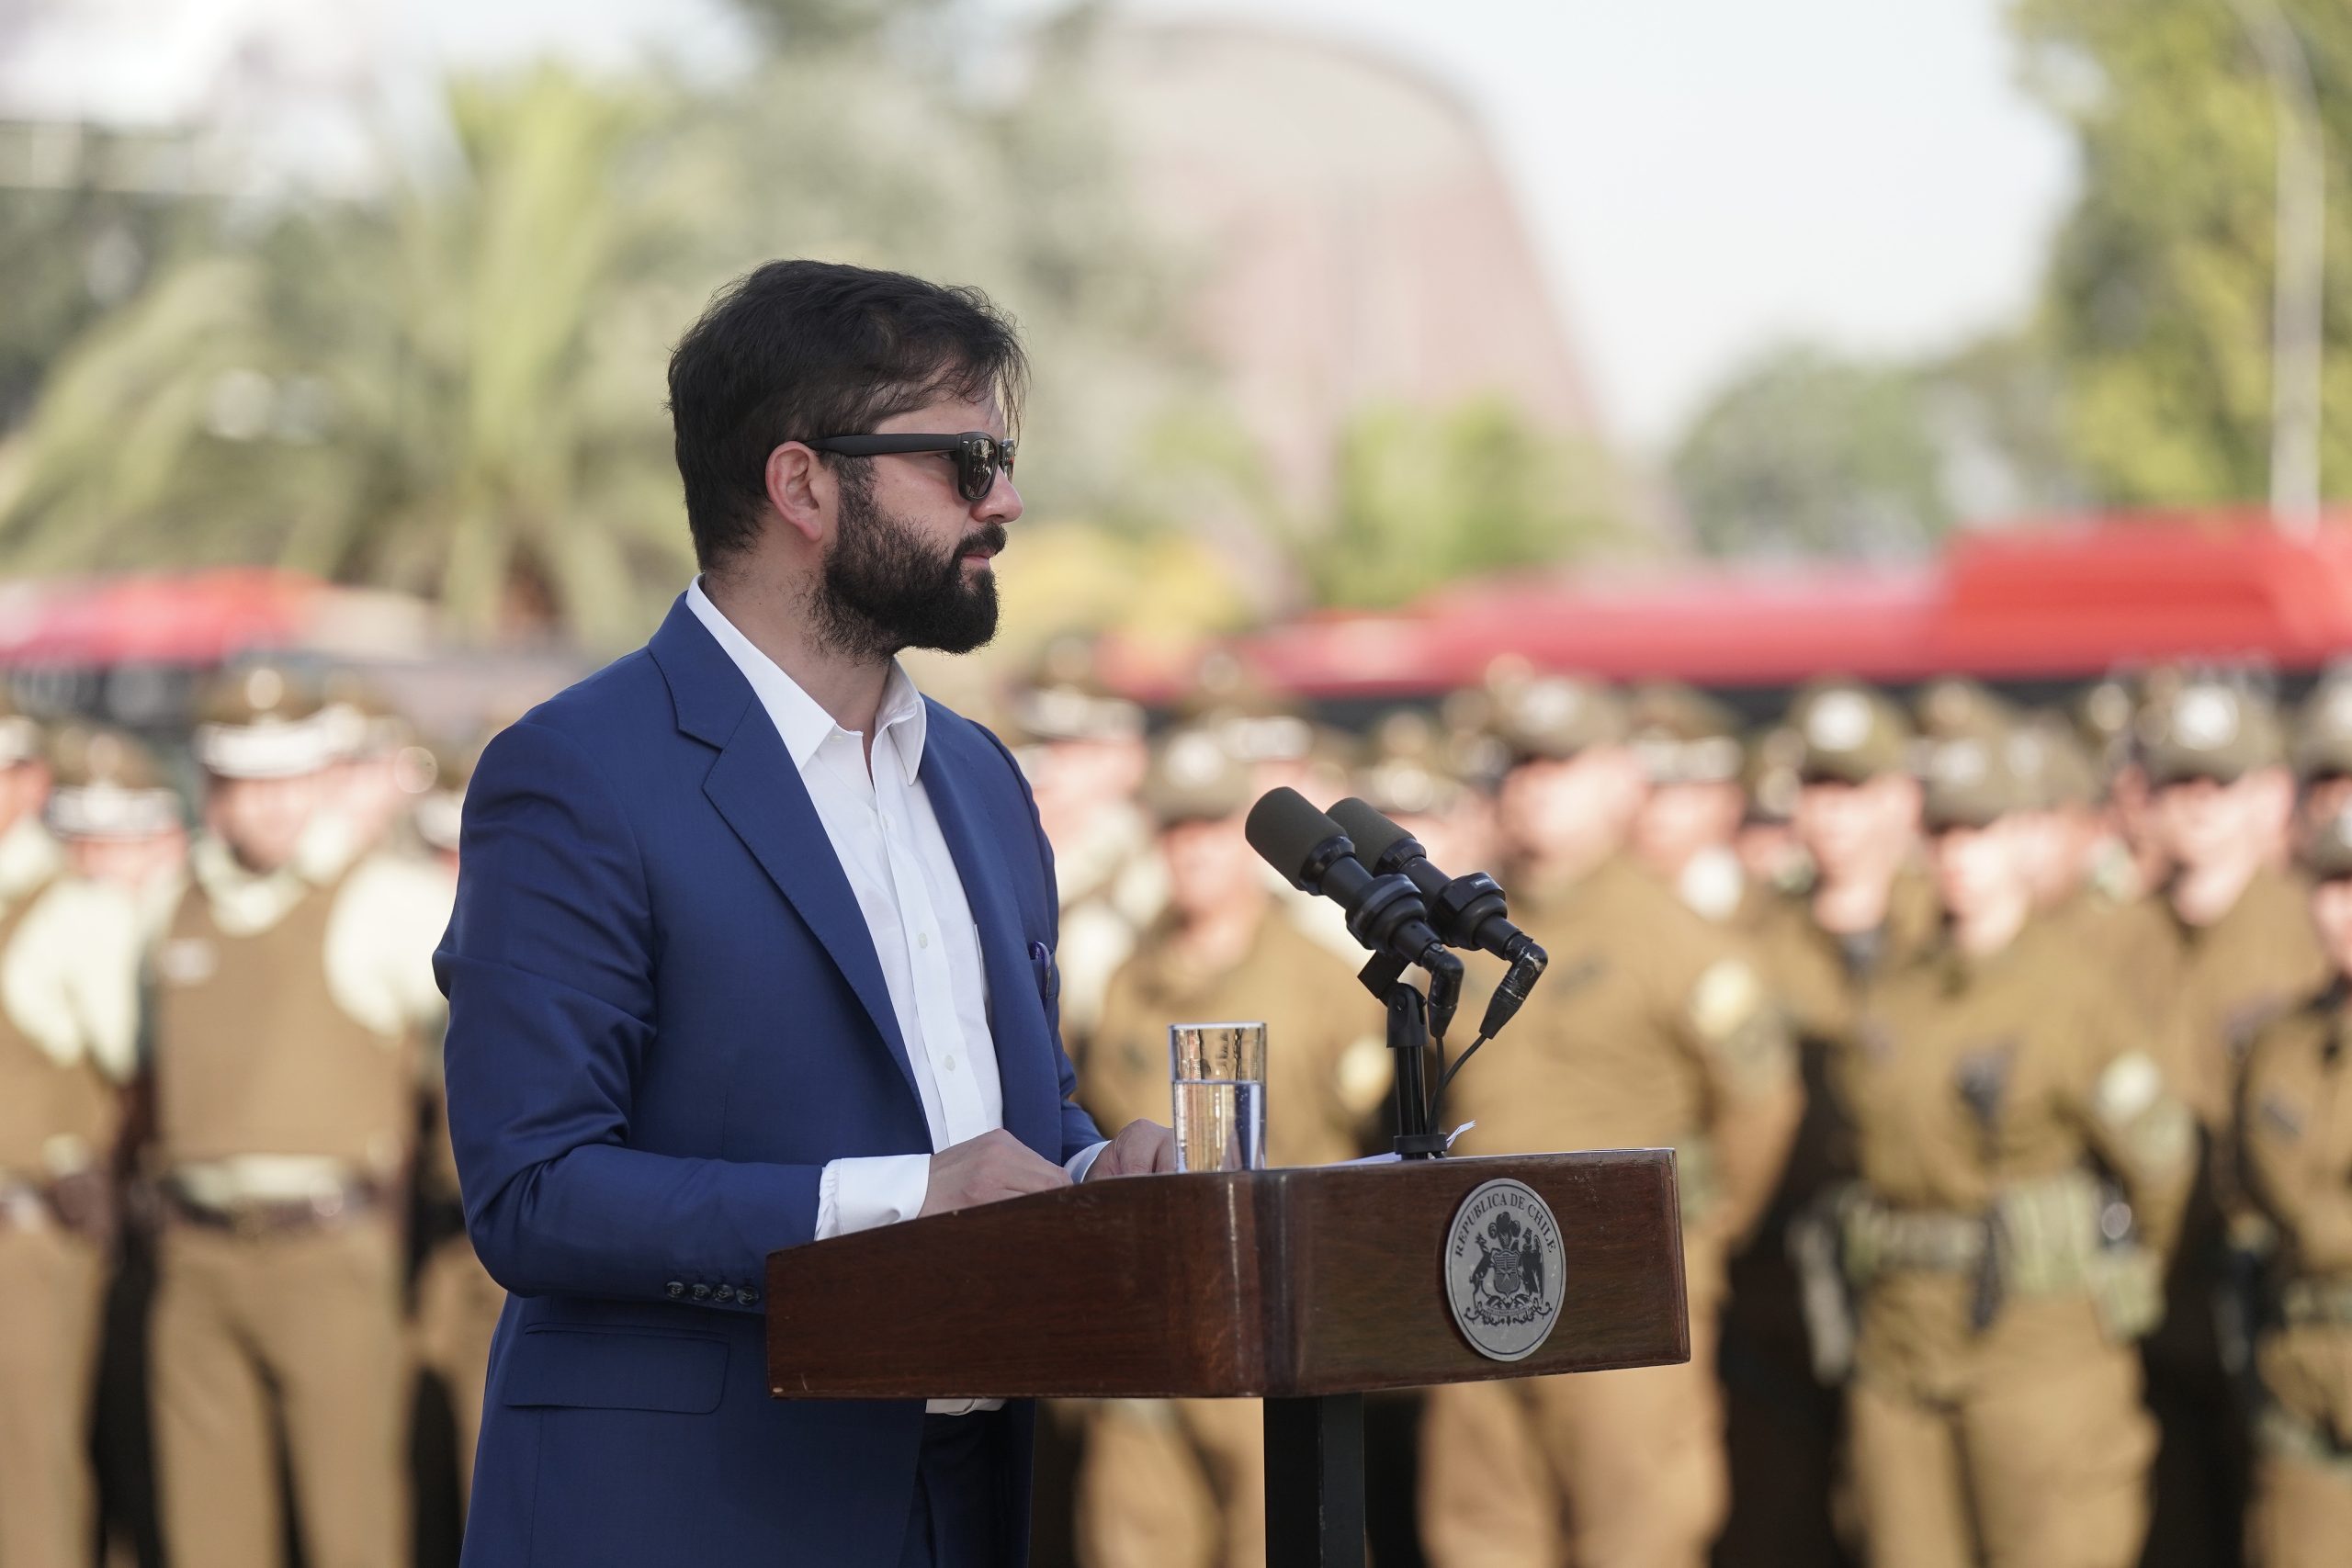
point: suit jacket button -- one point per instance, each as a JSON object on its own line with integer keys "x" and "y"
{"x": 676, "y": 1287}
{"x": 748, "y": 1298}
{"x": 702, "y": 1292}
{"x": 724, "y": 1293}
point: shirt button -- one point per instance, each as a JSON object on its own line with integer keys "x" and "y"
{"x": 724, "y": 1293}
{"x": 702, "y": 1292}
{"x": 747, "y": 1298}
{"x": 676, "y": 1287}
{"x": 922, "y": 939}
{"x": 951, "y": 1061}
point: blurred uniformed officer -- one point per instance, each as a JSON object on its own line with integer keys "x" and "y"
{"x": 1689, "y": 824}
{"x": 1868, "y": 909}
{"x": 2021, "y": 1165}
{"x": 376, "y": 768}
{"x": 1772, "y": 858}
{"x": 2323, "y": 751}
{"x": 458, "y": 1303}
{"x": 119, "y": 819}
{"x": 1651, "y": 1028}
{"x": 2295, "y": 1141}
{"x": 1082, "y": 747}
{"x": 68, "y": 1020}
{"x": 1181, "y": 1482}
{"x": 2228, "y": 947}
{"x": 285, "y": 1106}
{"x": 1410, "y": 775}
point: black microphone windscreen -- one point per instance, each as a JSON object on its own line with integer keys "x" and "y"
{"x": 1285, "y": 829}
{"x": 1370, "y": 833}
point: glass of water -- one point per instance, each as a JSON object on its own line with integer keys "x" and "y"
{"x": 1219, "y": 1072}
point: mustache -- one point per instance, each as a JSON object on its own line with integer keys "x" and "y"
{"x": 991, "y": 538}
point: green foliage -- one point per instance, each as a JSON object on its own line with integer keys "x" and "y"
{"x": 2158, "y": 305}
{"x": 449, "y": 392}
{"x": 1806, "y": 453}
{"x": 1424, "y": 496}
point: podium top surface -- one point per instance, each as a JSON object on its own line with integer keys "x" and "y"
{"x": 1312, "y": 1280}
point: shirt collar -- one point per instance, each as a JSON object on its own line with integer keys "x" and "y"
{"x": 800, "y": 718}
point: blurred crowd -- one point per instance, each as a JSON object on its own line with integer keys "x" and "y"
{"x": 1999, "y": 1045}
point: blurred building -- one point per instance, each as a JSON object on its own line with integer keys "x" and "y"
{"x": 1353, "y": 235}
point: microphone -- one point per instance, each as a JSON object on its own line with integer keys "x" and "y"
{"x": 1466, "y": 911}
{"x": 1384, "y": 912}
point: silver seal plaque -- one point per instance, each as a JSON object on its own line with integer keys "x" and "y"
{"x": 1503, "y": 1269}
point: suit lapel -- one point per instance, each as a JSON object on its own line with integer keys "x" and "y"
{"x": 757, "y": 790}
{"x": 1016, "y": 1014}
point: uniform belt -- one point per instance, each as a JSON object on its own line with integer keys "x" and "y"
{"x": 272, "y": 1216}
{"x": 2309, "y": 1301}
{"x": 1938, "y": 1241}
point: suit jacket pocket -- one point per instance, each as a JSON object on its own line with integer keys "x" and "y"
{"x": 605, "y": 1368}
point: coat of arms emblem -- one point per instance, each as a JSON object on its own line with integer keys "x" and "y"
{"x": 1503, "y": 1262}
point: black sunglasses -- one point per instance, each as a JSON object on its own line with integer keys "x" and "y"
{"x": 978, "y": 455}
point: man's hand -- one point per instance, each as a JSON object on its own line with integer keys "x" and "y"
{"x": 987, "y": 1170}
{"x": 1142, "y": 1148}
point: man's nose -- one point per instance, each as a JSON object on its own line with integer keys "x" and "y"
{"x": 1002, "y": 502}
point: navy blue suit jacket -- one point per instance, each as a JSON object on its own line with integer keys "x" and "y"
{"x": 666, "y": 1016}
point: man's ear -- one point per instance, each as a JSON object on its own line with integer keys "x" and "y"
{"x": 800, "y": 490}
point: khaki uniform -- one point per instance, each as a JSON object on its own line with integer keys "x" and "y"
{"x": 2295, "y": 1141}
{"x": 1994, "y": 1411}
{"x": 1785, "y": 1414}
{"x": 285, "y": 1105}
{"x": 2209, "y": 991}
{"x": 66, "y": 1020}
{"x": 1181, "y": 1482}
{"x": 1650, "y": 1028}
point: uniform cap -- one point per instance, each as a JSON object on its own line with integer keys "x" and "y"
{"x": 2208, "y": 729}
{"x": 360, "y": 719}
{"x": 2324, "y": 735}
{"x": 262, "y": 722}
{"x": 1683, "y": 736}
{"x": 2328, "y": 852}
{"x": 1954, "y": 706}
{"x": 2052, "y": 761}
{"x": 110, "y": 785}
{"x": 1408, "y": 769}
{"x": 1557, "y": 717}
{"x": 1065, "y": 699}
{"x": 1850, "y": 733}
{"x": 1973, "y": 780}
{"x": 1194, "y": 777}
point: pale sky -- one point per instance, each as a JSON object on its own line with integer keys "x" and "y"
{"x": 1701, "y": 178}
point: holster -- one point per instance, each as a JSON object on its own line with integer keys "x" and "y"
{"x": 1816, "y": 1238}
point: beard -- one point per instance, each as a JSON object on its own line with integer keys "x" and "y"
{"x": 885, "y": 588}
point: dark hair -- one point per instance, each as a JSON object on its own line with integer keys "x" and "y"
{"x": 799, "y": 349}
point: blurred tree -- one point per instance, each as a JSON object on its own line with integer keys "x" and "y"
{"x": 454, "y": 390}
{"x": 2157, "y": 304}
{"x": 84, "y": 215}
{"x": 1423, "y": 497}
{"x": 1808, "y": 453}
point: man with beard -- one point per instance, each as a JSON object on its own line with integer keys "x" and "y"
{"x": 754, "y": 946}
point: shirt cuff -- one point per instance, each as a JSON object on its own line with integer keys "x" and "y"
{"x": 1079, "y": 1164}
{"x": 858, "y": 1194}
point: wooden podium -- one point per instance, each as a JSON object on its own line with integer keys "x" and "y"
{"x": 1304, "y": 1287}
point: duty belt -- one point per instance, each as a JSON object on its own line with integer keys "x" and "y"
{"x": 272, "y": 1216}
{"x": 2316, "y": 1301}
{"x": 2050, "y": 1229}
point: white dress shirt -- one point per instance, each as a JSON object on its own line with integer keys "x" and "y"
{"x": 897, "y": 861}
